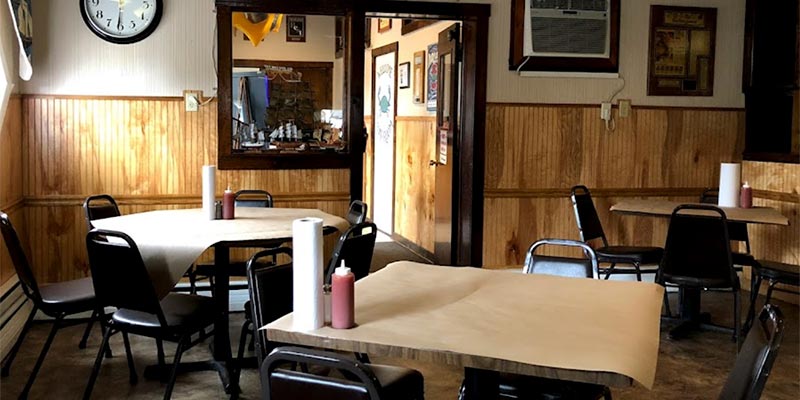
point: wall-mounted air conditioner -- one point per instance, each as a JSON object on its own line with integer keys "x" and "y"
{"x": 567, "y": 28}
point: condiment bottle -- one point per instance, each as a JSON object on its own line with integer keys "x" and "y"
{"x": 746, "y": 196}
{"x": 227, "y": 204}
{"x": 342, "y": 298}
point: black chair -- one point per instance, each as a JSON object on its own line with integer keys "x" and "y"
{"x": 590, "y": 228}
{"x": 754, "y": 361}
{"x": 355, "y": 247}
{"x": 774, "y": 273}
{"x": 57, "y": 301}
{"x": 357, "y": 213}
{"x": 513, "y": 386}
{"x": 697, "y": 256}
{"x": 242, "y": 198}
{"x": 737, "y": 232}
{"x": 121, "y": 280}
{"x": 99, "y": 206}
{"x": 358, "y": 381}
{"x": 270, "y": 298}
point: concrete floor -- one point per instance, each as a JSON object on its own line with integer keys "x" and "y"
{"x": 693, "y": 368}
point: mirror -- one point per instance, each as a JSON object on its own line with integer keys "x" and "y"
{"x": 287, "y": 84}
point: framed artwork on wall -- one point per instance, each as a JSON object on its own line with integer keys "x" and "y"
{"x": 295, "y": 28}
{"x": 384, "y": 25}
{"x": 681, "y": 53}
{"x": 418, "y": 94}
{"x": 403, "y": 72}
{"x": 433, "y": 76}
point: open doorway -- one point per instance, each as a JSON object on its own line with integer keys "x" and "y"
{"x": 413, "y": 97}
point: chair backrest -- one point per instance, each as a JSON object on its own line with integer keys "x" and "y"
{"x": 283, "y": 383}
{"x": 119, "y": 276}
{"x": 253, "y": 198}
{"x": 737, "y": 231}
{"x": 698, "y": 250}
{"x": 20, "y": 261}
{"x": 562, "y": 266}
{"x": 357, "y": 213}
{"x": 756, "y": 357}
{"x": 99, "y": 206}
{"x": 270, "y": 292}
{"x": 588, "y": 221}
{"x": 355, "y": 247}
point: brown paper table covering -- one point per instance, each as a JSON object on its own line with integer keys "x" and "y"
{"x": 171, "y": 240}
{"x": 759, "y": 215}
{"x": 565, "y": 328}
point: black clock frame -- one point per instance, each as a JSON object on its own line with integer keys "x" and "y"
{"x": 128, "y": 40}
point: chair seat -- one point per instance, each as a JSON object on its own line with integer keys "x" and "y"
{"x": 69, "y": 296}
{"x": 184, "y": 313}
{"x": 398, "y": 382}
{"x": 695, "y": 282}
{"x": 778, "y": 271}
{"x": 630, "y": 254}
{"x": 530, "y": 388}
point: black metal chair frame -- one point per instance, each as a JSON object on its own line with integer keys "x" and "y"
{"x": 587, "y": 236}
{"x": 357, "y": 213}
{"x": 734, "y": 278}
{"x": 108, "y": 208}
{"x": 531, "y": 257}
{"x": 146, "y": 303}
{"x": 30, "y": 288}
{"x": 296, "y": 355}
{"x": 759, "y": 272}
{"x": 771, "y": 324}
{"x": 344, "y": 249}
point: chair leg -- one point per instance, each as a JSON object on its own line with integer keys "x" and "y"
{"x": 246, "y": 328}
{"x": 192, "y": 280}
{"x": 607, "y": 393}
{"x": 132, "y": 377}
{"x": 666, "y": 304}
{"x": 755, "y": 286}
{"x": 96, "y": 369}
{"x": 638, "y": 272}
{"x": 770, "y": 287}
{"x": 737, "y": 319}
{"x": 42, "y": 355}
{"x": 174, "y": 374}
{"x": 7, "y": 366}
{"x": 95, "y": 315}
{"x": 609, "y": 270}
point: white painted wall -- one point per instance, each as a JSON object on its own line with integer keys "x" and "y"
{"x": 69, "y": 59}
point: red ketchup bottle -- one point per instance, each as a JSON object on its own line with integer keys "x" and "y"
{"x": 746, "y": 196}
{"x": 227, "y": 204}
{"x": 342, "y": 298}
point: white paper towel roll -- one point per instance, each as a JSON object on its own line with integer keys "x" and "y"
{"x": 309, "y": 308}
{"x": 730, "y": 175}
{"x": 209, "y": 189}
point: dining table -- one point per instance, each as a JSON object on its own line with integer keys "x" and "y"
{"x": 492, "y": 321}
{"x": 691, "y": 316}
{"x": 170, "y": 241}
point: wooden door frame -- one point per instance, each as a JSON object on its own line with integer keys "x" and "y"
{"x": 389, "y": 48}
{"x": 468, "y": 149}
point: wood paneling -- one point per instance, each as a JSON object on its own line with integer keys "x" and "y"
{"x": 146, "y": 152}
{"x": 415, "y": 145}
{"x": 11, "y": 196}
{"x": 535, "y": 153}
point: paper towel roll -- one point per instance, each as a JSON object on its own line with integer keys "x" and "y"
{"x": 209, "y": 189}
{"x": 730, "y": 175}
{"x": 309, "y": 309}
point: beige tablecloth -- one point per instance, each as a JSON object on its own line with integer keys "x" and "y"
{"x": 664, "y": 208}
{"x": 171, "y": 240}
{"x": 566, "y": 328}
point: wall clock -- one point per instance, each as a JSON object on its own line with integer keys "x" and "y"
{"x": 121, "y": 21}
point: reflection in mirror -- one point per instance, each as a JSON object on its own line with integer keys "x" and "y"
{"x": 287, "y": 84}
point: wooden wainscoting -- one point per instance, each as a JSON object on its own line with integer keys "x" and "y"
{"x": 535, "y": 153}
{"x": 148, "y": 153}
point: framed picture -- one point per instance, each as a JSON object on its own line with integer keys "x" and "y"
{"x": 384, "y": 25}
{"x": 681, "y": 53}
{"x": 295, "y": 28}
{"x": 433, "y": 76}
{"x": 403, "y": 71}
{"x": 418, "y": 93}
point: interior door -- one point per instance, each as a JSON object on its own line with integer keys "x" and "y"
{"x": 384, "y": 109}
{"x": 447, "y": 125}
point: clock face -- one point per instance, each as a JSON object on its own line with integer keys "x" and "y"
{"x": 121, "y": 21}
